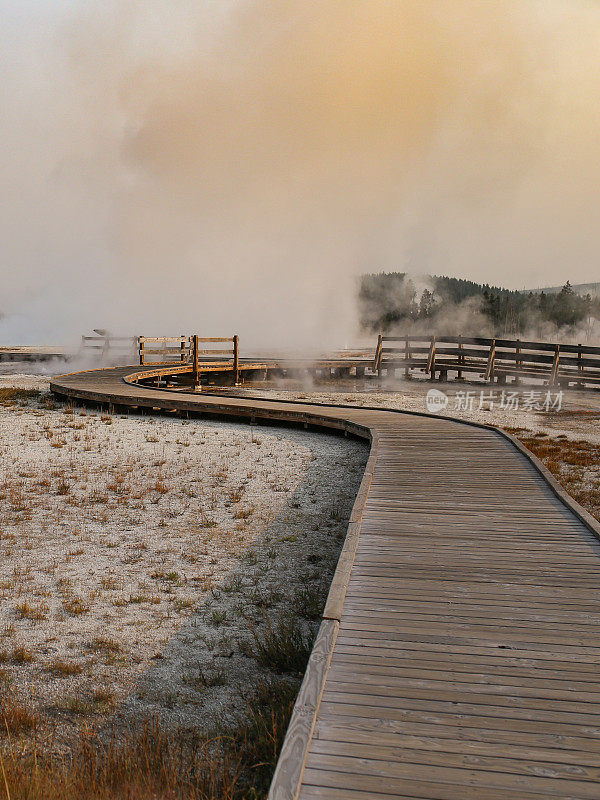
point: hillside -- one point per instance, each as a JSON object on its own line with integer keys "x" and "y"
{"x": 394, "y": 301}
{"x": 578, "y": 288}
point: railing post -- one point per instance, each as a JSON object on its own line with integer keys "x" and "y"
{"x": 406, "y": 358}
{"x": 378, "y": 350}
{"x": 141, "y": 350}
{"x": 431, "y": 359}
{"x": 236, "y": 359}
{"x": 555, "y": 365}
{"x": 518, "y": 362}
{"x": 459, "y": 375}
{"x": 196, "y": 377}
{"x": 489, "y": 372}
{"x": 182, "y": 349}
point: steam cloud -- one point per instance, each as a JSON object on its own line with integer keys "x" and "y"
{"x": 224, "y": 166}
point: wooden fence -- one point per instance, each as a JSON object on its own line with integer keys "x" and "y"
{"x": 158, "y": 350}
{"x": 216, "y": 353}
{"x": 490, "y": 359}
{"x": 104, "y": 347}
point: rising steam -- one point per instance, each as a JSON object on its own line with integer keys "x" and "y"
{"x": 231, "y": 166}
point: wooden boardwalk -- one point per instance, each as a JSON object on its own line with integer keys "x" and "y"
{"x": 459, "y": 655}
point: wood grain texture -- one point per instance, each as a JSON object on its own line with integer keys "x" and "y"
{"x": 290, "y": 766}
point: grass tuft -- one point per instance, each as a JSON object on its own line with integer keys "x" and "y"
{"x": 64, "y": 669}
{"x": 16, "y": 717}
{"x": 11, "y": 395}
{"x": 281, "y": 647}
{"x": 309, "y": 602}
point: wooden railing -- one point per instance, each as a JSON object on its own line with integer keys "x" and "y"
{"x": 490, "y": 359}
{"x": 216, "y": 353}
{"x": 233, "y": 350}
{"x": 164, "y": 349}
{"x": 105, "y": 347}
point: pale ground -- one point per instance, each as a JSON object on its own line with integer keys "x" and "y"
{"x": 139, "y": 554}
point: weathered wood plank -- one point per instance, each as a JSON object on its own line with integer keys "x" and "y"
{"x": 290, "y": 766}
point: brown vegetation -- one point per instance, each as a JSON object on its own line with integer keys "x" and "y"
{"x": 148, "y": 763}
{"x": 11, "y": 395}
{"x": 574, "y": 463}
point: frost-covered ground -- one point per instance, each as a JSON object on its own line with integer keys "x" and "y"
{"x": 141, "y": 557}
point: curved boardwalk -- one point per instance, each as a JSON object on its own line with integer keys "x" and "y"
{"x": 459, "y": 654}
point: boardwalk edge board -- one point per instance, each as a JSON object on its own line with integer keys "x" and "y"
{"x": 287, "y": 779}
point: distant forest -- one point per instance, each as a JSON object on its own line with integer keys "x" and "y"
{"x": 390, "y": 301}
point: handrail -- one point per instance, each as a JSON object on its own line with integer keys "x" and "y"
{"x": 104, "y": 345}
{"x": 490, "y": 358}
{"x": 186, "y": 350}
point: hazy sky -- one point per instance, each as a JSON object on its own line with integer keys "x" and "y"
{"x": 231, "y": 165}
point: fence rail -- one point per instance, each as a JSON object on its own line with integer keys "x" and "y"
{"x": 164, "y": 349}
{"x": 491, "y": 359}
{"x": 105, "y": 347}
{"x": 187, "y": 350}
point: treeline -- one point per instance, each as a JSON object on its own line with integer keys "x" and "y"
{"x": 390, "y": 301}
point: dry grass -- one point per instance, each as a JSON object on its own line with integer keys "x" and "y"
{"x": 16, "y": 717}
{"x": 75, "y": 606}
{"x": 281, "y": 646}
{"x": 309, "y": 601}
{"x": 102, "y": 644}
{"x": 18, "y": 655}
{"x": 10, "y": 396}
{"x": 33, "y": 612}
{"x": 149, "y": 764}
{"x": 64, "y": 669}
{"x": 574, "y": 463}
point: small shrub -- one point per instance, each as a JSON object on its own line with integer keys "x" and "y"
{"x": 16, "y": 717}
{"x": 281, "y": 647}
{"x": 101, "y": 644}
{"x": 64, "y": 669}
{"x": 22, "y": 655}
{"x": 75, "y": 606}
